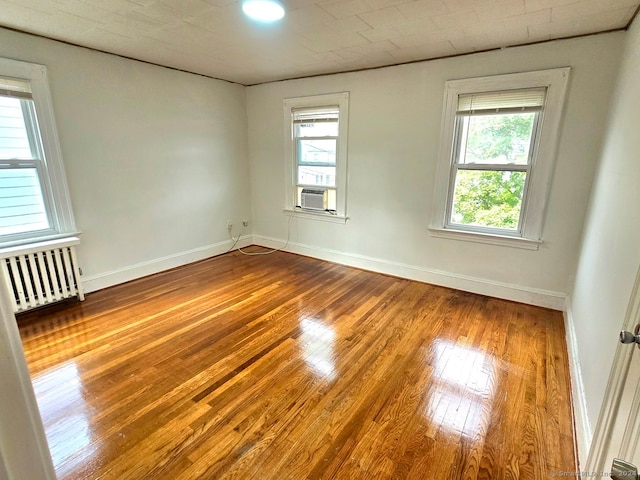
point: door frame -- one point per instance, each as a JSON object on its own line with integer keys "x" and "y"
{"x": 602, "y": 436}
{"x": 23, "y": 445}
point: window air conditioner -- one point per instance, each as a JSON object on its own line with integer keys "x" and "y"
{"x": 314, "y": 198}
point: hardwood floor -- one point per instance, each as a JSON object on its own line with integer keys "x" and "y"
{"x": 285, "y": 367}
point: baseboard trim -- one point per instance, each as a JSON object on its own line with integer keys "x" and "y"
{"x": 92, "y": 283}
{"x": 531, "y": 296}
{"x": 583, "y": 431}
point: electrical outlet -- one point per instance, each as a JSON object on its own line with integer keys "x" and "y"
{"x": 245, "y": 223}
{"x": 229, "y": 226}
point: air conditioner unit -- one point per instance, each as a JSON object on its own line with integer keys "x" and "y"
{"x": 314, "y": 198}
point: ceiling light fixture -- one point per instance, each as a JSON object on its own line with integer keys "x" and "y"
{"x": 263, "y": 10}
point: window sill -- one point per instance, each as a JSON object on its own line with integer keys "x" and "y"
{"x": 322, "y": 216}
{"x": 37, "y": 245}
{"x": 487, "y": 238}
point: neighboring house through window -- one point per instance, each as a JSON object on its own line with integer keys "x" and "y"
{"x": 316, "y": 158}
{"x": 34, "y": 199}
{"x": 497, "y": 154}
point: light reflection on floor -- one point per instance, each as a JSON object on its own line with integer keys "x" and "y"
{"x": 318, "y": 347}
{"x": 59, "y": 393}
{"x": 462, "y": 394}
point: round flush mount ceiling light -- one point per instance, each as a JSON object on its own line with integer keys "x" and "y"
{"x": 263, "y": 10}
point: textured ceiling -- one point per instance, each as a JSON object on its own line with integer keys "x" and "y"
{"x": 214, "y": 38}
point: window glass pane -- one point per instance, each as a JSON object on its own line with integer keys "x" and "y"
{"x": 488, "y": 198}
{"x": 319, "y": 152}
{"x": 14, "y": 140}
{"x": 317, "y": 129}
{"x": 21, "y": 202}
{"x": 496, "y": 139}
{"x": 321, "y": 176}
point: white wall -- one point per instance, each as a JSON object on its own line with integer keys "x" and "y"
{"x": 156, "y": 159}
{"x": 394, "y": 129}
{"x": 610, "y": 254}
{"x": 3, "y": 471}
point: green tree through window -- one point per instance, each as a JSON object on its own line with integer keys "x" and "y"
{"x": 488, "y": 198}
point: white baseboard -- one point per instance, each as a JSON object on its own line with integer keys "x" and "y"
{"x": 584, "y": 433}
{"x": 91, "y": 283}
{"x": 531, "y": 296}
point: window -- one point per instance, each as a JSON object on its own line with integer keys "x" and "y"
{"x": 34, "y": 201}
{"x": 316, "y": 131}
{"x": 497, "y": 155}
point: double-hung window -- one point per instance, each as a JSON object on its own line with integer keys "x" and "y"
{"x": 315, "y": 132}
{"x": 497, "y": 156}
{"x": 316, "y": 129}
{"x": 34, "y": 202}
{"x": 22, "y": 189}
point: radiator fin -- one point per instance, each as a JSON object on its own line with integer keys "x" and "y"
{"x": 40, "y": 277}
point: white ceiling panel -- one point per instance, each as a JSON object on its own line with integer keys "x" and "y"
{"x": 214, "y": 38}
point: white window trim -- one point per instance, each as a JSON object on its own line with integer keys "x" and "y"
{"x": 62, "y": 219}
{"x": 290, "y": 104}
{"x": 534, "y": 205}
{"x": 322, "y": 216}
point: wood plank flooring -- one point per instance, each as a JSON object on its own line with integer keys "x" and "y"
{"x": 285, "y": 367}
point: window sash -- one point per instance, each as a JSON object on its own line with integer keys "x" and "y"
{"x": 458, "y": 136}
{"x": 35, "y": 161}
{"x": 44, "y": 199}
{"x": 301, "y": 163}
{"x": 457, "y": 165}
{"x": 317, "y": 185}
{"x": 495, "y": 167}
{"x": 316, "y": 164}
{"x": 449, "y": 223}
{"x": 31, "y": 129}
{"x": 315, "y": 115}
